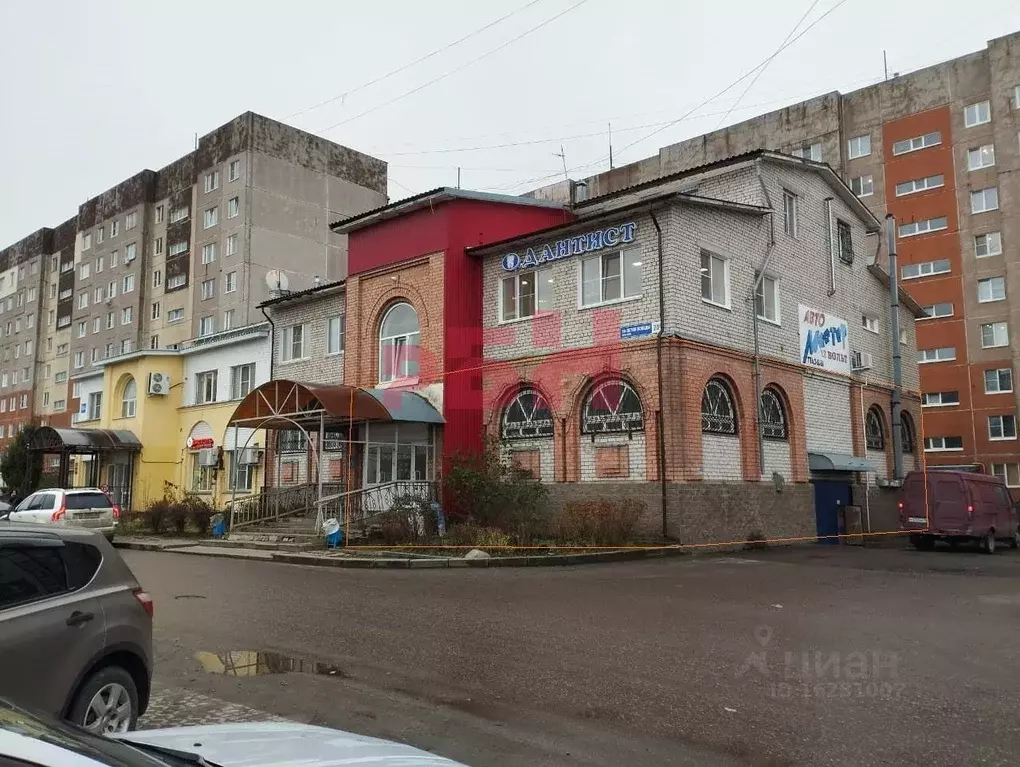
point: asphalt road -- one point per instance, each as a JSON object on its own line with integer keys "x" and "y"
{"x": 814, "y": 656}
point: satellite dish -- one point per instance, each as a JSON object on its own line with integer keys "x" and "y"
{"x": 276, "y": 281}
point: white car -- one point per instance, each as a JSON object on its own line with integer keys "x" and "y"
{"x": 30, "y": 740}
{"x": 87, "y": 507}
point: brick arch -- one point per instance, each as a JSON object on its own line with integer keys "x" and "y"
{"x": 506, "y": 394}
{"x": 790, "y": 388}
{"x": 883, "y": 423}
{"x": 400, "y": 294}
{"x": 735, "y": 394}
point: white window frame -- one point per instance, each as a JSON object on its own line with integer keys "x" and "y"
{"x": 1003, "y": 419}
{"x": 205, "y": 387}
{"x": 231, "y": 245}
{"x": 924, "y": 226}
{"x": 995, "y": 326}
{"x": 791, "y": 211}
{"x": 542, "y": 296}
{"x": 179, "y": 214}
{"x": 175, "y": 315}
{"x": 870, "y": 323}
{"x": 981, "y": 153}
{"x": 177, "y": 281}
{"x": 287, "y": 347}
{"x": 160, "y": 213}
{"x": 988, "y": 285}
{"x": 811, "y": 152}
{"x": 978, "y": 113}
{"x": 979, "y": 197}
{"x": 917, "y": 143}
{"x": 176, "y": 248}
{"x": 1005, "y": 473}
{"x": 761, "y": 294}
{"x": 157, "y": 278}
{"x": 233, "y": 207}
{"x": 127, "y": 315}
{"x": 989, "y": 238}
{"x": 131, "y": 220}
{"x": 711, "y": 276}
{"x": 208, "y": 289}
{"x": 233, "y": 170}
{"x": 935, "y": 399}
{"x": 859, "y": 146}
{"x": 998, "y": 379}
{"x": 230, "y": 282}
{"x": 86, "y": 241}
{"x": 238, "y": 376}
{"x": 859, "y": 184}
{"x": 930, "y": 445}
{"x": 155, "y": 310}
{"x": 336, "y": 335}
{"x": 210, "y": 217}
{"x": 920, "y": 185}
{"x": 937, "y": 311}
{"x": 628, "y": 291}
{"x": 129, "y": 283}
{"x": 209, "y": 253}
{"x": 939, "y": 354}
{"x": 84, "y": 271}
{"x": 228, "y": 320}
{"x": 212, "y": 181}
{"x": 206, "y": 325}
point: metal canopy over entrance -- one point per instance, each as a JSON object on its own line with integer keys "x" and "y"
{"x": 340, "y": 448}
{"x": 114, "y": 448}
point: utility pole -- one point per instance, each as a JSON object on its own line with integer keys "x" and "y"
{"x": 894, "y": 339}
{"x": 610, "y": 146}
{"x": 885, "y": 65}
{"x": 458, "y": 177}
{"x": 563, "y": 156}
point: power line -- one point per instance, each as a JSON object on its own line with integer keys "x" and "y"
{"x": 687, "y": 114}
{"x": 762, "y": 70}
{"x": 398, "y": 70}
{"x": 455, "y": 70}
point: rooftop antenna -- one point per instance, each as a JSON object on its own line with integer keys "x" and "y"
{"x": 563, "y": 156}
{"x": 885, "y": 64}
{"x": 196, "y": 139}
{"x": 458, "y": 177}
{"x": 610, "y": 146}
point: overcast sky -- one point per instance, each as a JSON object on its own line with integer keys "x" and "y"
{"x": 92, "y": 92}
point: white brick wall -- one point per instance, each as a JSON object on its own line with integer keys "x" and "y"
{"x": 636, "y": 455}
{"x": 545, "y": 451}
{"x": 909, "y": 464}
{"x": 315, "y": 311}
{"x": 720, "y": 457}
{"x": 777, "y": 459}
{"x": 827, "y": 415}
{"x": 877, "y": 459}
{"x": 222, "y": 359}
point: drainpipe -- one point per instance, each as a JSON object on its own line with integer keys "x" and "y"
{"x": 894, "y": 339}
{"x": 660, "y": 421}
{"x": 754, "y": 322}
{"x": 272, "y": 358}
{"x": 832, "y": 247}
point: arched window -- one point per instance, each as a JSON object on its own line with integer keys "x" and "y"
{"x": 612, "y": 406}
{"x": 128, "y": 399}
{"x": 907, "y": 432}
{"x": 398, "y": 343}
{"x": 874, "y": 431}
{"x": 527, "y": 416}
{"x": 773, "y": 416}
{"x": 718, "y": 415}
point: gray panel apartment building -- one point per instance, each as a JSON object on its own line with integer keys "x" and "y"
{"x": 940, "y": 149}
{"x": 179, "y": 253}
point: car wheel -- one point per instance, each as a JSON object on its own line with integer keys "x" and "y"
{"x": 1014, "y": 542}
{"x": 988, "y": 543}
{"x": 107, "y": 702}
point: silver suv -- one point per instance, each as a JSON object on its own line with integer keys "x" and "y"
{"x": 87, "y": 507}
{"x": 75, "y": 627}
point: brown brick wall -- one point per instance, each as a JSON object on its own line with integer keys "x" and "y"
{"x": 370, "y": 295}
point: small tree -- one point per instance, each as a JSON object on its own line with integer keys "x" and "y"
{"x": 490, "y": 490}
{"x": 19, "y": 467}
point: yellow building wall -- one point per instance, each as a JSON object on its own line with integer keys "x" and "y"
{"x": 217, "y": 416}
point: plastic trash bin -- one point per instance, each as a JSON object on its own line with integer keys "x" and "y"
{"x": 334, "y": 535}
{"x": 219, "y": 525}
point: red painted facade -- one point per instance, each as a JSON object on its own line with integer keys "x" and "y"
{"x": 448, "y": 227}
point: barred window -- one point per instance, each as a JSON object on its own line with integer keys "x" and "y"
{"x": 874, "y": 433}
{"x": 907, "y": 432}
{"x": 612, "y": 406}
{"x": 527, "y": 416}
{"x": 773, "y": 416}
{"x": 718, "y": 416}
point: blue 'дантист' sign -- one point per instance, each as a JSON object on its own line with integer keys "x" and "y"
{"x": 590, "y": 242}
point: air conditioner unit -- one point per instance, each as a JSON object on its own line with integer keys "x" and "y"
{"x": 861, "y": 361}
{"x": 250, "y": 456}
{"x": 209, "y": 456}
{"x": 159, "y": 384}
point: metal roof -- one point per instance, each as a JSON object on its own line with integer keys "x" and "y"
{"x": 49, "y": 439}
{"x": 299, "y": 294}
{"x": 838, "y": 462}
{"x": 283, "y": 404}
{"x": 431, "y": 197}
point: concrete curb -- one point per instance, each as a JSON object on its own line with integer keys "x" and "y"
{"x": 318, "y": 560}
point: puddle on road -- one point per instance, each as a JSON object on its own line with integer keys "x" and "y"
{"x": 251, "y": 663}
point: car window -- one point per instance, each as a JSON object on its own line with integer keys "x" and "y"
{"x": 28, "y": 573}
{"x": 46, "y": 502}
{"x": 81, "y": 562}
{"x": 95, "y": 500}
{"x": 26, "y": 504}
